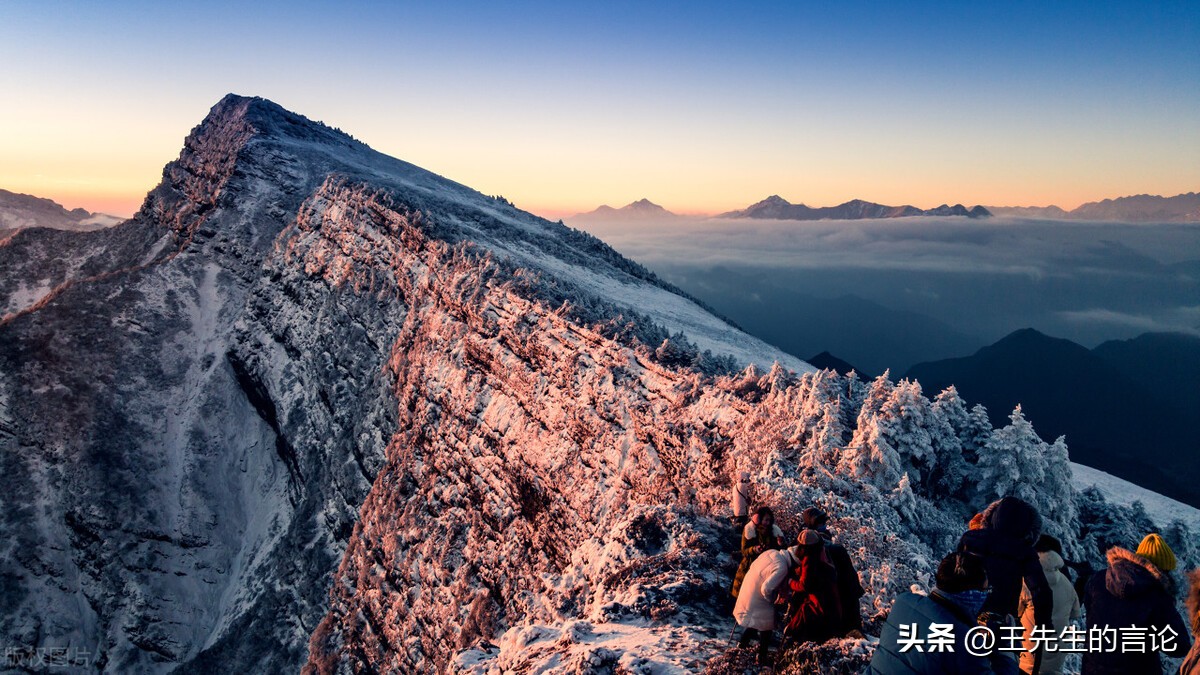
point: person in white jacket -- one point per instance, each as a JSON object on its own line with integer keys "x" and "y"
{"x": 740, "y": 500}
{"x": 755, "y": 607}
{"x": 1066, "y": 606}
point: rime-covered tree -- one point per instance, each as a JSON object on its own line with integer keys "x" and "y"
{"x": 1060, "y": 516}
{"x": 1181, "y": 540}
{"x": 1013, "y": 464}
{"x": 903, "y": 499}
{"x": 975, "y": 436}
{"x": 676, "y": 351}
{"x": 822, "y": 431}
{"x": 871, "y": 454}
{"x": 1104, "y": 524}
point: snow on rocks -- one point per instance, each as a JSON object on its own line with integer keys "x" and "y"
{"x": 316, "y": 407}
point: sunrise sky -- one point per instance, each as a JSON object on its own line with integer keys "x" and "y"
{"x": 699, "y": 106}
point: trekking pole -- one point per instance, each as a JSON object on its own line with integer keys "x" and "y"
{"x": 783, "y": 645}
{"x": 731, "y": 632}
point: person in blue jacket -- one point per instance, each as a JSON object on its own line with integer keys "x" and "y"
{"x": 955, "y": 602}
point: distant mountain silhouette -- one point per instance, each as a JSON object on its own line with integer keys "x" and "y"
{"x": 1113, "y": 416}
{"x": 1134, "y": 209}
{"x": 778, "y": 208}
{"x": 19, "y": 211}
{"x": 642, "y": 209}
{"x": 827, "y": 361}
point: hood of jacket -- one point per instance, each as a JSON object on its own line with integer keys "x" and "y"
{"x": 1131, "y": 576}
{"x": 1013, "y": 518}
{"x": 1051, "y": 562}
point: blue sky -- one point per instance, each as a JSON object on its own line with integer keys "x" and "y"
{"x": 698, "y": 106}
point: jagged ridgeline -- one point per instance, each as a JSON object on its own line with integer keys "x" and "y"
{"x": 314, "y": 407}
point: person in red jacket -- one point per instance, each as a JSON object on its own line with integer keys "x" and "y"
{"x": 849, "y": 586}
{"x": 814, "y": 610}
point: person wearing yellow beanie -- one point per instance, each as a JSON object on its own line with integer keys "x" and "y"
{"x": 1154, "y": 548}
{"x": 1135, "y": 591}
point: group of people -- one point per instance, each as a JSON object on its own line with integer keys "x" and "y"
{"x": 814, "y": 580}
{"x": 1005, "y": 573}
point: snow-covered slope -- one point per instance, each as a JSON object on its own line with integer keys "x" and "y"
{"x": 1162, "y": 510}
{"x": 316, "y": 407}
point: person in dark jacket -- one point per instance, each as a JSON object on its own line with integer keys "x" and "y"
{"x": 849, "y": 587}
{"x": 956, "y": 600}
{"x": 760, "y": 534}
{"x": 1135, "y": 591}
{"x": 1011, "y": 526}
{"x": 814, "y": 610}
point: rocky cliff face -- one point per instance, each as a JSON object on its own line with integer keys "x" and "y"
{"x": 195, "y": 404}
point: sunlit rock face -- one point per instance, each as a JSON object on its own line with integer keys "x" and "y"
{"x": 195, "y": 404}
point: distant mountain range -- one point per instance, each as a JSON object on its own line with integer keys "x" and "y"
{"x": 1133, "y": 209}
{"x": 19, "y": 211}
{"x": 778, "y": 208}
{"x": 1184, "y": 208}
{"x": 642, "y": 209}
{"x": 1126, "y": 407}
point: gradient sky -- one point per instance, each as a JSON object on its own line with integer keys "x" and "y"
{"x": 699, "y": 106}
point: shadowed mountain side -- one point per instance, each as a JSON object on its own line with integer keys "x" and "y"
{"x": 1167, "y": 363}
{"x": 827, "y": 361}
{"x": 862, "y": 332}
{"x": 1111, "y": 421}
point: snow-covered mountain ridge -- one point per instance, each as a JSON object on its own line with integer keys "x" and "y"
{"x": 314, "y": 406}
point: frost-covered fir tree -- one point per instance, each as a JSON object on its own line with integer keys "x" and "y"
{"x": 871, "y": 455}
{"x": 1060, "y": 516}
{"x": 1104, "y": 524}
{"x": 1013, "y": 464}
{"x": 903, "y": 499}
{"x": 676, "y": 350}
{"x": 898, "y": 431}
{"x": 971, "y": 427}
{"x": 976, "y": 434}
{"x": 820, "y": 418}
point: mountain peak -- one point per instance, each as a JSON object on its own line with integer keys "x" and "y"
{"x": 264, "y": 117}
{"x": 638, "y": 210}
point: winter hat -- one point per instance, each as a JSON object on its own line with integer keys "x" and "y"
{"x": 1155, "y": 549}
{"x": 1014, "y": 517}
{"x": 814, "y": 518}
{"x": 961, "y": 571}
{"x": 808, "y": 538}
{"x": 976, "y": 522}
{"x": 744, "y": 477}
